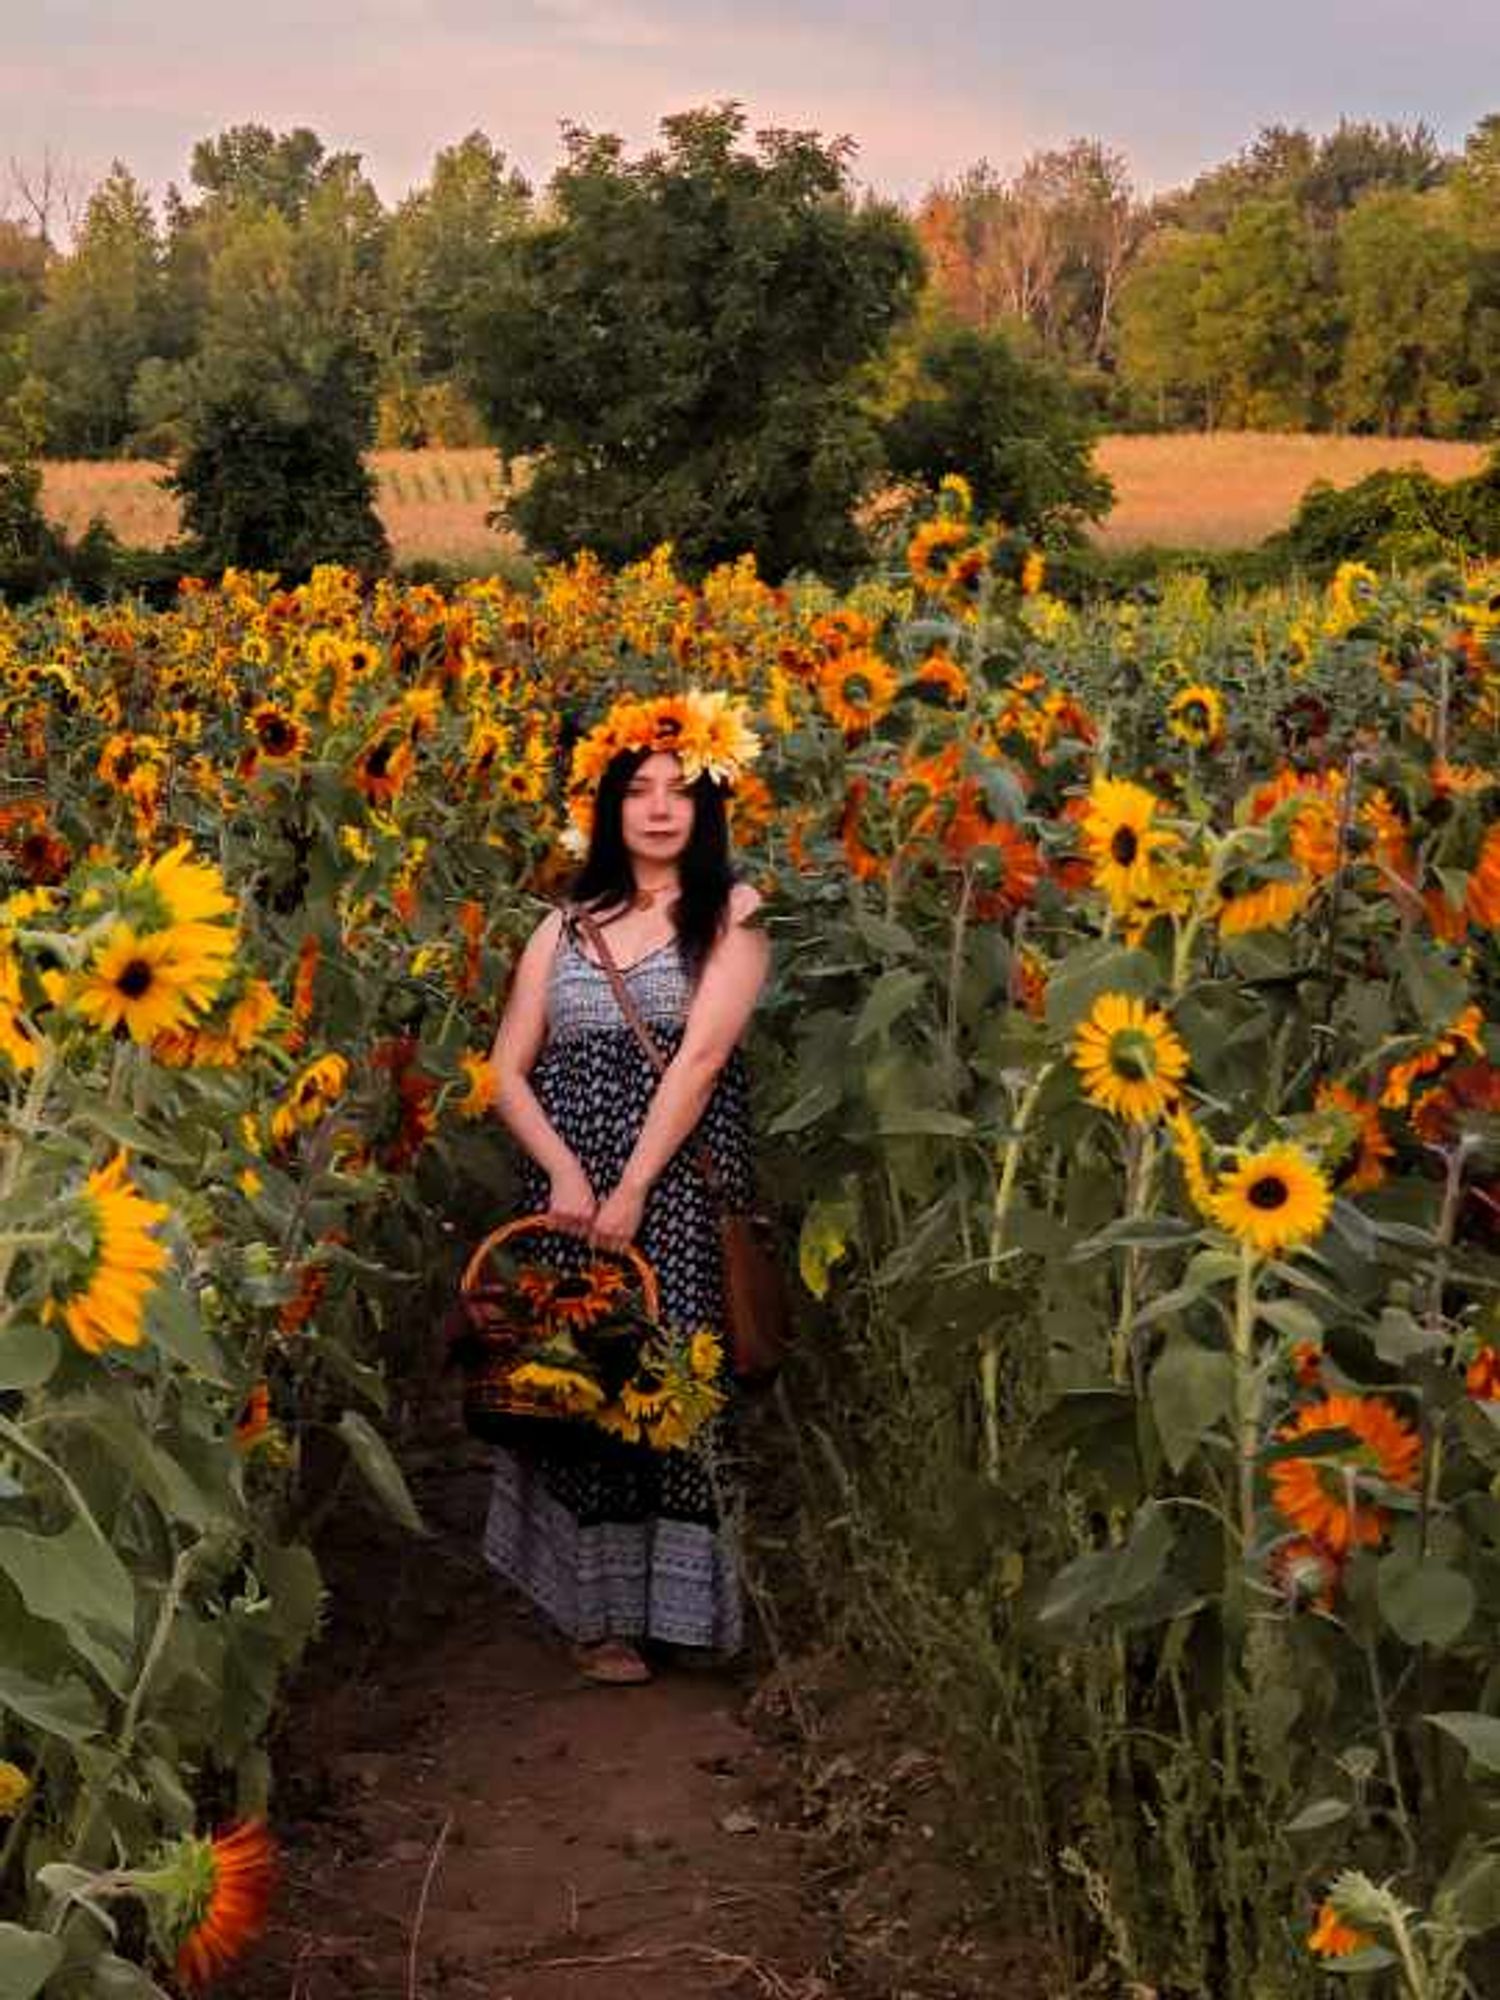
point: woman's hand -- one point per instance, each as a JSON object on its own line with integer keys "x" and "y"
{"x": 617, "y": 1221}
{"x": 571, "y": 1203}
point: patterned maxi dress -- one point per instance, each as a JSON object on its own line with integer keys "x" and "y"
{"x": 616, "y": 1539}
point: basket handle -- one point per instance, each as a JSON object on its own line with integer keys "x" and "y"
{"x": 527, "y": 1224}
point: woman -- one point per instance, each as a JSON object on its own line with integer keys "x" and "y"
{"x": 620, "y": 1543}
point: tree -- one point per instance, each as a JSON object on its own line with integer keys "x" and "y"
{"x": 1012, "y": 427}
{"x": 279, "y": 408}
{"x": 681, "y": 342}
{"x": 102, "y": 316}
{"x": 446, "y": 241}
{"x": 1406, "y": 284}
{"x": 1262, "y": 322}
{"x": 1162, "y": 355}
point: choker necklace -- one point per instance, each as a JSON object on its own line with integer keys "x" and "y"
{"x": 644, "y": 898}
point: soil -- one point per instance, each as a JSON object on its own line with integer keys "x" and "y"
{"x": 463, "y": 1817}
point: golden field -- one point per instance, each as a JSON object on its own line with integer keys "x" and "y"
{"x": 1223, "y": 490}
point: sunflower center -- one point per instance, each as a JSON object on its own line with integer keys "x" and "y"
{"x": 1270, "y": 1192}
{"x": 1132, "y": 1055}
{"x": 277, "y": 734}
{"x": 1124, "y": 846}
{"x": 1195, "y": 715}
{"x": 379, "y": 759}
{"x": 135, "y": 978}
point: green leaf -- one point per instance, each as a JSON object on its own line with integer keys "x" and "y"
{"x": 924, "y": 1121}
{"x": 887, "y": 939}
{"x": 1437, "y": 990}
{"x": 1399, "y": 1338}
{"x": 1191, "y": 1389}
{"x": 372, "y": 1455}
{"x": 1321, "y": 1813}
{"x": 1479, "y": 1734}
{"x": 172, "y": 1321}
{"x": 890, "y": 997}
{"x": 1473, "y": 1885}
{"x": 150, "y": 1141}
{"x": 1137, "y": 1232}
{"x": 1290, "y": 1318}
{"x": 63, "y": 1708}
{"x": 27, "y": 1960}
{"x": 29, "y": 1352}
{"x": 1374, "y": 1958}
{"x": 1091, "y": 971}
{"x": 1423, "y": 1602}
{"x": 71, "y": 1578}
{"x": 815, "y": 1102}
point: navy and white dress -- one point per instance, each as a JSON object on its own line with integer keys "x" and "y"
{"x": 615, "y": 1539}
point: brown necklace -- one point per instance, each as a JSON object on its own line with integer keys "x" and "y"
{"x": 644, "y": 898}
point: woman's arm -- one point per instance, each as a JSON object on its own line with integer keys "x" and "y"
{"x": 518, "y": 1043}
{"x": 730, "y": 984}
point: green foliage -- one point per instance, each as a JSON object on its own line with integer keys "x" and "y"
{"x": 1396, "y": 516}
{"x": 103, "y": 315}
{"x": 280, "y": 404}
{"x": 681, "y": 342}
{"x": 1406, "y": 286}
{"x": 1013, "y": 427}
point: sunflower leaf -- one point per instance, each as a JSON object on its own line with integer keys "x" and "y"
{"x": 1479, "y": 1734}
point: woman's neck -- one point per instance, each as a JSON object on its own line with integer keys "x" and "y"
{"x": 655, "y": 885}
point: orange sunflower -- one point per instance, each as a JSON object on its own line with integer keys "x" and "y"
{"x": 1319, "y": 1495}
{"x": 856, "y": 689}
{"x": 235, "y": 1874}
{"x": 1365, "y": 1167}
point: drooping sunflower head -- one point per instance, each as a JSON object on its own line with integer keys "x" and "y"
{"x": 1274, "y": 1200}
{"x": 1129, "y": 1057}
{"x": 215, "y": 1896}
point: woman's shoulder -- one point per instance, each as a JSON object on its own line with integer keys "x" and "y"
{"x": 544, "y": 938}
{"x": 744, "y": 900}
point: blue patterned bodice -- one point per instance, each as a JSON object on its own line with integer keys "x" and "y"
{"x": 580, "y": 1000}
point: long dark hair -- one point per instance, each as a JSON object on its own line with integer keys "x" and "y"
{"x": 607, "y": 877}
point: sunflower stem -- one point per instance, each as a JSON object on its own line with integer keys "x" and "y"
{"x": 1387, "y": 1742}
{"x": 1005, "y": 1191}
{"x": 1246, "y": 1396}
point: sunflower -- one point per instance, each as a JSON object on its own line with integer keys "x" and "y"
{"x": 139, "y": 983}
{"x": 189, "y": 891}
{"x": 280, "y": 738}
{"x": 1271, "y": 907}
{"x": 1331, "y": 1937}
{"x": 705, "y": 1355}
{"x": 15, "y": 1789}
{"x": 1318, "y": 1495}
{"x": 17, "y": 1043}
{"x": 1187, "y": 1143}
{"x": 1124, "y": 840}
{"x": 253, "y": 1423}
{"x": 940, "y": 679}
{"x": 1010, "y": 865}
{"x": 311, "y": 1093}
{"x": 1274, "y": 1200}
{"x": 581, "y": 1299}
{"x": 217, "y": 1894}
{"x": 1305, "y": 1573}
{"x": 856, "y": 689}
{"x": 1033, "y": 572}
{"x": 1482, "y": 1376}
{"x": 479, "y": 1097}
{"x": 646, "y": 1399}
{"x": 382, "y": 768}
{"x": 1129, "y": 1057}
{"x": 1195, "y": 716}
{"x": 932, "y": 551}
{"x": 1469, "y": 1091}
{"x": 1462, "y": 1032}
{"x": 1365, "y": 1168}
{"x": 1482, "y": 897}
{"x": 106, "y": 1306}
{"x": 546, "y": 1386}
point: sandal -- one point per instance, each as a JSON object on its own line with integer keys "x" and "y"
{"x": 612, "y": 1663}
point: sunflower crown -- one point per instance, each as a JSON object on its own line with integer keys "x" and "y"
{"x": 708, "y": 731}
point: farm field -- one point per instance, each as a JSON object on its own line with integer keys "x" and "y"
{"x": 1219, "y": 491}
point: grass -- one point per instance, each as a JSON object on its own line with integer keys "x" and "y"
{"x": 1225, "y": 490}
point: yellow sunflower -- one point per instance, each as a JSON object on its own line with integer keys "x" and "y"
{"x": 1195, "y": 716}
{"x": 280, "y": 738}
{"x": 1129, "y": 1057}
{"x": 137, "y": 982}
{"x": 311, "y": 1093}
{"x": 1274, "y": 1200}
{"x": 17, "y": 1043}
{"x": 1269, "y": 908}
{"x": 479, "y": 1097}
{"x": 1125, "y": 841}
{"x": 550, "y": 1387}
{"x": 856, "y": 689}
{"x": 105, "y": 1307}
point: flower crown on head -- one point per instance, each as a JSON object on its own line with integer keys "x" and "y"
{"x": 707, "y": 731}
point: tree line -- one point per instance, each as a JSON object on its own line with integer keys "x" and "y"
{"x": 1344, "y": 281}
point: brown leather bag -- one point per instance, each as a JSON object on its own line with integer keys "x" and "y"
{"x": 757, "y": 1305}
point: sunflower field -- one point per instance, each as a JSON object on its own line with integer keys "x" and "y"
{"x": 1130, "y": 1083}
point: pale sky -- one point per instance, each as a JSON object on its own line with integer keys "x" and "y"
{"x": 925, "y": 88}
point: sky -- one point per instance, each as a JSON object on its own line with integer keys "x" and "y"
{"x": 925, "y": 87}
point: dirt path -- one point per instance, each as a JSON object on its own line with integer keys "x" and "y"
{"x": 463, "y": 1817}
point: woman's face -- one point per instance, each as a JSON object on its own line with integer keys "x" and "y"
{"x": 658, "y": 810}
